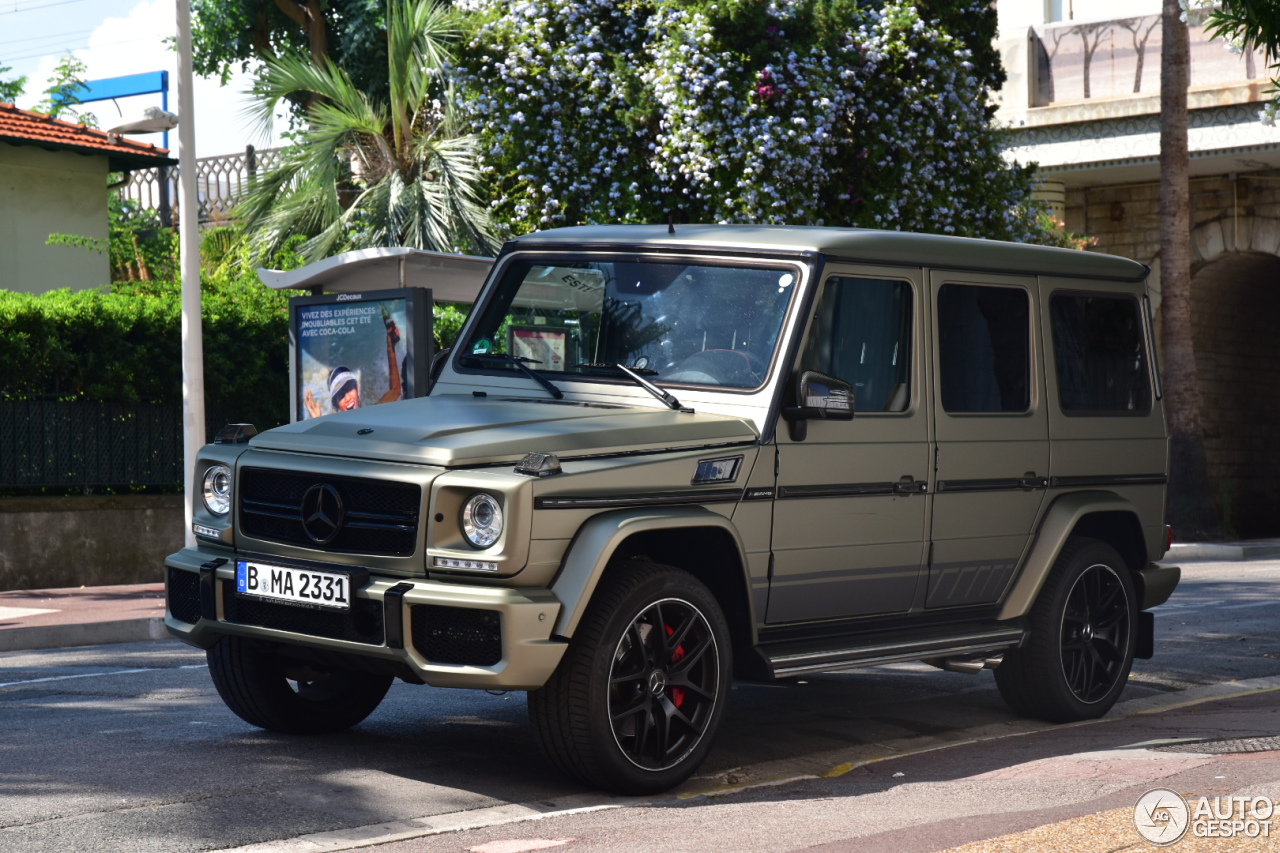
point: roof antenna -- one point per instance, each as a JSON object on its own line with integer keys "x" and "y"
{"x": 671, "y": 223}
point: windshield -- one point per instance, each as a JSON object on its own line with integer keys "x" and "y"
{"x": 674, "y": 323}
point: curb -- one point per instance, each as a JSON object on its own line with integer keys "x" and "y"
{"x": 1222, "y": 552}
{"x": 1204, "y": 551}
{"x": 83, "y": 634}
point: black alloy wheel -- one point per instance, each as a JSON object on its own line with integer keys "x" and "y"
{"x": 663, "y": 684}
{"x": 634, "y": 705}
{"x": 1076, "y": 659}
{"x": 1095, "y": 633}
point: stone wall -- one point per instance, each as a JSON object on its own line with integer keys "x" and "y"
{"x": 87, "y": 541}
{"x": 1236, "y": 303}
{"x": 1125, "y": 219}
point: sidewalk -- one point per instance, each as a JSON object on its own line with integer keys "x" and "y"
{"x": 84, "y": 616}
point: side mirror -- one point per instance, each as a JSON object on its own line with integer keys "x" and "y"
{"x": 817, "y": 396}
{"x": 437, "y": 366}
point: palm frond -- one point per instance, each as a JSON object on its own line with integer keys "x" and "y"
{"x": 367, "y": 173}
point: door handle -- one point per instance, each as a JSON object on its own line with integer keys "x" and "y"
{"x": 910, "y": 487}
{"x": 1031, "y": 482}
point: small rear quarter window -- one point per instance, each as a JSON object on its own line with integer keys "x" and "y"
{"x": 1099, "y": 355}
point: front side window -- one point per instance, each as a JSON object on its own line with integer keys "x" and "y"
{"x": 861, "y": 334}
{"x": 673, "y": 322}
{"x": 1099, "y": 355}
{"x": 984, "y": 348}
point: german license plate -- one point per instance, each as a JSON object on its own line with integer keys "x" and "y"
{"x": 293, "y": 585}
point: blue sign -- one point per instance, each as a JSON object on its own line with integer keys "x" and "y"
{"x": 127, "y": 86}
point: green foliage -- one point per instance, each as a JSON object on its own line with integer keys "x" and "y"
{"x": 1250, "y": 25}
{"x": 977, "y": 29}
{"x": 368, "y": 171}
{"x": 124, "y": 343}
{"x": 447, "y": 320}
{"x": 1053, "y": 232}
{"x": 63, "y": 94}
{"x": 12, "y": 89}
{"x": 837, "y": 112}
{"x": 230, "y": 33}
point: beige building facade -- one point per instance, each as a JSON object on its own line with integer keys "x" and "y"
{"x": 1083, "y": 101}
{"x": 53, "y": 180}
{"x": 51, "y": 192}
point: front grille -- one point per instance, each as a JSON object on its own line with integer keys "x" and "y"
{"x": 381, "y": 516}
{"x": 182, "y": 589}
{"x": 361, "y": 624}
{"x": 458, "y": 635}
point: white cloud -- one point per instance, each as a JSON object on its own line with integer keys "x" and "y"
{"x": 140, "y": 43}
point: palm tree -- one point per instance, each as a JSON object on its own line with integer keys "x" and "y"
{"x": 364, "y": 172}
{"x": 1190, "y": 504}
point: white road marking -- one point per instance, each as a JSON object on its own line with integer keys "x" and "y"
{"x": 97, "y": 674}
{"x": 19, "y": 612}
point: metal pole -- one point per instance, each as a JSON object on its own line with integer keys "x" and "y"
{"x": 193, "y": 426}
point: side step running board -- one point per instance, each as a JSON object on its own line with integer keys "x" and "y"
{"x": 995, "y": 640}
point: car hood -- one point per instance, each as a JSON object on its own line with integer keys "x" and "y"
{"x": 461, "y": 430}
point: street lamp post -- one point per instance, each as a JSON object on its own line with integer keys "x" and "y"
{"x": 193, "y": 425}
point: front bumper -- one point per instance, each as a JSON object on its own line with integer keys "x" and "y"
{"x": 446, "y": 634}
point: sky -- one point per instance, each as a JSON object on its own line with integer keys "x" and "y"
{"x": 113, "y": 38}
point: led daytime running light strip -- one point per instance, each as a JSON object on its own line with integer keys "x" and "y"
{"x": 473, "y": 565}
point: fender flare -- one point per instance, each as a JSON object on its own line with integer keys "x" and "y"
{"x": 599, "y": 537}
{"x": 1059, "y": 520}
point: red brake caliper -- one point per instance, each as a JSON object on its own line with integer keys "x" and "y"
{"x": 677, "y": 693}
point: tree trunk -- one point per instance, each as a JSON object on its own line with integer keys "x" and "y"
{"x": 1190, "y": 506}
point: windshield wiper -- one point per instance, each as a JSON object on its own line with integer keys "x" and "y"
{"x": 589, "y": 365}
{"x": 522, "y": 363}
{"x": 664, "y": 396}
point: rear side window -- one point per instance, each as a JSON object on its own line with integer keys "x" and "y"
{"x": 984, "y": 348}
{"x": 1099, "y": 355}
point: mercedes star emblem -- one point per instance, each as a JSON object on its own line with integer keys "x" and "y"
{"x": 322, "y": 513}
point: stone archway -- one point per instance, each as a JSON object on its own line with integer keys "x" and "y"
{"x": 1235, "y": 293}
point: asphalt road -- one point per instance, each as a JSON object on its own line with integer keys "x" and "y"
{"x": 128, "y": 747}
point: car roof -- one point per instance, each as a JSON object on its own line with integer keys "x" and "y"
{"x": 897, "y": 248}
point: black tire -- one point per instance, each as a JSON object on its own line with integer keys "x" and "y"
{"x": 1076, "y": 661}
{"x": 275, "y": 694}
{"x": 633, "y": 708}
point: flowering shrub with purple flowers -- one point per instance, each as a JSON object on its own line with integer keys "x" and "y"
{"x": 824, "y": 112}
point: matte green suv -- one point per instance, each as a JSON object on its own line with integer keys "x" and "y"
{"x": 661, "y": 457}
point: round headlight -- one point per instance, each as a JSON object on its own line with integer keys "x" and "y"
{"x": 217, "y": 489}
{"x": 482, "y": 521}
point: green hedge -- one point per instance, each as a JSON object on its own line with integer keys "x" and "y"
{"x": 125, "y": 345}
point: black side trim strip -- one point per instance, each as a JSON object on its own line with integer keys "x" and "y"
{"x": 836, "y": 491}
{"x": 708, "y": 496}
{"x": 1012, "y": 485}
{"x": 1114, "y": 480}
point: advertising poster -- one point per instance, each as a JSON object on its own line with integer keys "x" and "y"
{"x": 352, "y": 350}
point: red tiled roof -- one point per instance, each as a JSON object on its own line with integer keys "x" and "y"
{"x": 23, "y": 127}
